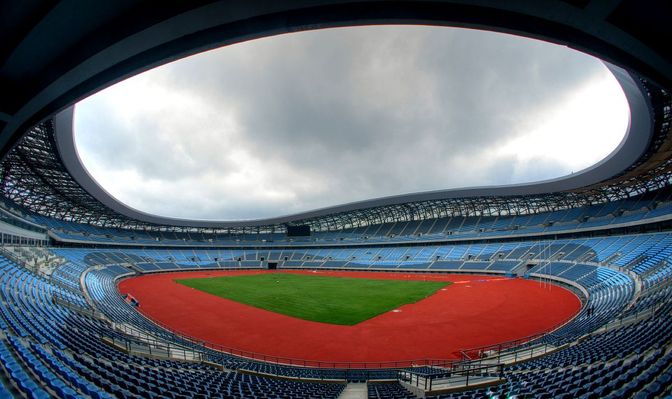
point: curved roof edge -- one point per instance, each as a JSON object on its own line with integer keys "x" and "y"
{"x": 633, "y": 145}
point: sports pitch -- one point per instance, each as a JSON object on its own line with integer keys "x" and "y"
{"x": 333, "y": 300}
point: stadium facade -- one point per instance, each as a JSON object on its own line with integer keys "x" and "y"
{"x": 603, "y": 233}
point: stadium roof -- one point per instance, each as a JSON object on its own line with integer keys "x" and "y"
{"x": 56, "y": 55}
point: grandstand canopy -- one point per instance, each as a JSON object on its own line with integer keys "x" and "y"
{"x": 55, "y": 55}
{"x": 301, "y": 121}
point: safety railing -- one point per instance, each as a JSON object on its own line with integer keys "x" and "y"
{"x": 65, "y": 302}
{"x": 460, "y": 375}
{"x": 153, "y": 347}
{"x": 510, "y": 351}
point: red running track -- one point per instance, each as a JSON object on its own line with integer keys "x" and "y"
{"x": 474, "y": 311}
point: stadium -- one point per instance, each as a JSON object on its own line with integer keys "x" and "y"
{"x": 555, "y": 289}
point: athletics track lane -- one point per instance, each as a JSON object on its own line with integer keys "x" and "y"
{"x": 473, "y": 312}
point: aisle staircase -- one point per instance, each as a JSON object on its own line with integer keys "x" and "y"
{"x": 354, "y": 391}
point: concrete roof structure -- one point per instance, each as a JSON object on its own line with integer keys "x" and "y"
{"x": 54, "y": 54}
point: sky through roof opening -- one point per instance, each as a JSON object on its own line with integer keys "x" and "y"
{"x": 307, "y": 120}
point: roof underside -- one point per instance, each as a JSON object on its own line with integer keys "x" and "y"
{"x": 56, "y": 53}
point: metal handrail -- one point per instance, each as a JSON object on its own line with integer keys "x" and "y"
{"x": 462, "y": 374}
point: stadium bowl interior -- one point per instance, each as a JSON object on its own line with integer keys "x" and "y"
{"x": 602, "y": 236}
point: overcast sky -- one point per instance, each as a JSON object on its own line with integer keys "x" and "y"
{"x": 302, "y": 121}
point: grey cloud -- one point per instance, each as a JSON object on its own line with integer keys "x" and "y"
{"x": 364, "y": 112}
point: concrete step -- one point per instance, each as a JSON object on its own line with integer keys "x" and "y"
{"x": 354, "y": 391}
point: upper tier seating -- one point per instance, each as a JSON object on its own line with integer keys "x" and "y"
{"x": 633, "y": 211}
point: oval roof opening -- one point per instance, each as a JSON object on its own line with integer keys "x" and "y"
{"x": 302, "y": 121}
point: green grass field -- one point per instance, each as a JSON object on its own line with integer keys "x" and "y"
{"x": 334, "y": 300}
